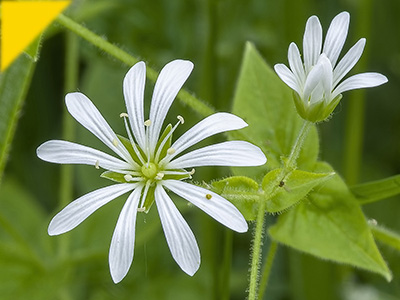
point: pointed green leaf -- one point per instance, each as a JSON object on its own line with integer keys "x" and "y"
{"x": 33, "y": 49}
{"x": 377, "y": 190}
{"x": 331, "y": 225}
{"x": 290, "y": 189}
{"x": 14, "y": 84}
{"x": 267, "y": 105}
{"x": 242, "y": 191}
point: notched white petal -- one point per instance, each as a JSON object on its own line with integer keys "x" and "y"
{"x": 296, "y": 65}
{"x": 313, "y": 79}
{"x": 63, "y": 152}
{"x": 86, "y": 113}
{"x": 169, "y": 82}
{"x": 211, "y": 203}
{"x": 312, "y": 42}
{"x": 134, "y": 84}
{"x": 214, "y": 124}
{"x": 123, "y": 241}
{"x": 180, "y": 238}
{"x": 348, "y": 61}
{"x": 77, "y": 211}
{"x": 231, "y": 153}
{"x": 363, "y": 80}
{"x": 336, "y": 36}
{"x": 287, "y": 77}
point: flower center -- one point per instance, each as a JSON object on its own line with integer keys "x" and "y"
{"x": 149, "y": 170}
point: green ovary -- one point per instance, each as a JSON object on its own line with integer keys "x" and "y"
{"x": 150, "y": 170}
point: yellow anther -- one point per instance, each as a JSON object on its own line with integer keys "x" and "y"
{"x": 171, "y": 151}
{"x": 128, "y": 177}
{"x": 97, "y": 164}
{"x": 181, "y": 119}
{"x": 147, "y": 123}
{"x": 115, "y": 142}
{"x": 123, "y": 115}
{"x": 192, "y": 171}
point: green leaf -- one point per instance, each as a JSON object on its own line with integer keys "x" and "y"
{"x": 377, "y": 190}
{"x": 14, "y": 83}
{"x": 331, "y": 225}
{"x": 33, "y": 49}
{"x": 242, "y": 191}
{"x": 267, "y": 105}
{"x": 290, "y": 189}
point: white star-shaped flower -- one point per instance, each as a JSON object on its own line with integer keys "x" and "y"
{"x": 148, "y": 164}
{"x": 317, "y": 82}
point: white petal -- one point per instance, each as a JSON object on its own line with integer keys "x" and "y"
{"x": 336, "y": 36}
{"x": 216, "y": 123}
{"x": 296, "y": 65}
{"x": 63, "y": 152}
{"x": 77, "y": 211}
{"x": 217, "y": 207}
{"x": 169, "y": 82}
{"x": 312, "y": 42}
{"x": 84, "y": 111}
{"x": 327, "y": 77}
{"x": 123, "y": 241}
{"x": 363, "y": 80}
{"x": 180, "y": 238}
{"x": 348, "y": 61}
{"x": 313, "y": 79}
{"x": 287, "y": 77}
{"x": 134, "y": 83}
{"x": 232, "y": 153}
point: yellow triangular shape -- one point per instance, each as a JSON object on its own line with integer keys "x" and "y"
{"x": 22, "y": 22}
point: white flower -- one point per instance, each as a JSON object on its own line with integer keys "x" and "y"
{"x": 148, "y": 164}
{"x": 317, "y": 82}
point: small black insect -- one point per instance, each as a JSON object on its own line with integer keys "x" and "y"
{"x": 282, "y": 183}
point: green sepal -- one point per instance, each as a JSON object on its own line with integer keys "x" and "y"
{"x": 317, "y": 112}
{"x": 167, "y": 144}
{"x": 177, "y": 177}
{"x": 114, "y": 176}
{"x": 242, "y": 191}
{"x": 127, "y": 143}
{"x": 148, "y": 202}
{"x": 290, "y": 189}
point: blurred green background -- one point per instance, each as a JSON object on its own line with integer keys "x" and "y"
{"x": 212, "y": 34}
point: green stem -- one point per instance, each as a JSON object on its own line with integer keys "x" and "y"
{"x": 185, "y": 97}
{"x": 256, "y": 254}
{"x": 267, "y": 269}
{"x": 70, "y": 84}
{"x": 290, "y": 163}
{"x": 226, "y": 265}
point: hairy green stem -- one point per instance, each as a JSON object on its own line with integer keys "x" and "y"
{"x": 289, "y": 164}
{"x": 267, "y": 269}
{"x": 226, "y": 265}
{"x": 256, "y": 253}
{"x": 185, "y": 97}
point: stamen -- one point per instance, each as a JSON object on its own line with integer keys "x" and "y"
{"x": 123, "y": 115}
{"x": 141, "y": 209}
{"x": 170, "y": 151}
{"x": 192, "y": 171}
{"x": 181, "y": 119}
{"x": 159, "y": 176}
{"x": 147, "y": 123}
{"x": 97, "y": 165}
{"x": 128, "y": 177}
{"x": 179, "y": 172}
{"x": 115, "y": 142}
{"x": 137, "y": 152}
